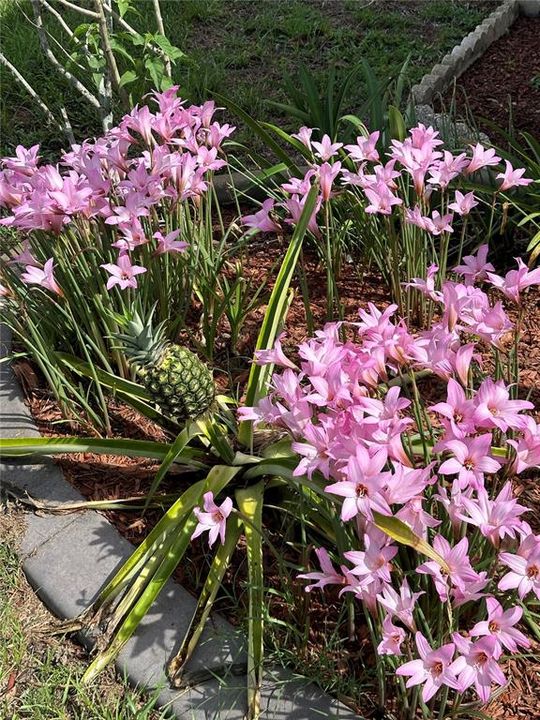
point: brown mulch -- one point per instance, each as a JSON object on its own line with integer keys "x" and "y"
{"x": 99, "y": 477}
{"x": 503, "y": 86}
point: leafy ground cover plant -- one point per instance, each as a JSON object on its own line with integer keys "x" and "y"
{"x": 124, "y": 224}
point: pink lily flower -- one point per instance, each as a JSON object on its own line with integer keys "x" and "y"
{"x": 500, "y": 625}
{"x": 471, "y": 459}
{"x": 304, "y": 135}
{"x": 25, "y": 161}
{"x": 300, "y": 186}
{"x": 124, "y": 273}
{"x": 295, "y": 206}
{"x": 374, "y": 562}
{"x": 457, "y": 560}
{"x": 494, "y": 409}
{"x": 363, "y": 489}
{"x": 481, "y": 158}
{"x": 381, "y": 199}
{"x": 527, "y": 447}
{"x": 471, "y": 592}
{"x": 364, "y": 149}
{"x": 458, "y": 410}
{"x": 477, "y": 664}
{"x": 326, "y": 148}
{"x": 524, "y": 573}
{"x": 275, "y": 356}
{"x": 25, "y": 257}
{"x": 497, "y": 518}
{"x": 433, "y": 669}
{"x": 213, "y": 520}
{"x": 515, "y": 280}
{"x": 400, "y": 606}
{"x": 427, "y": 286}
{"x": 261, "y": 219}
{"x": 493, "y": 325}
{"x": 45, "y": 277}
{"x": 168, "y": 243}
{"x": 132, "y": 236}
{"x": 327, "y": 576}
{"x": 447, "y": 169}
{"x": 512, "y": 178}
{"x": 438, "y": 223}
{"x": 392, "y": 637}
{"x": 415, "y": 217}
{"x": 475, "y": 268}
{"x": 327, "y": 175}
{"x": 414, "y": 515}
{"x": 453, "y": 502}
{"x": 463, "y": 204}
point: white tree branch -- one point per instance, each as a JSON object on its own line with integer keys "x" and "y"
{"x": 161, "y": 30}
{"x": 109, "y": 55}
{"x": 83, "y": 11}
{"x": 66, "y": 128}
{"x": 57, "y": 64}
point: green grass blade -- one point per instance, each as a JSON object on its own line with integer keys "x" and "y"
{"x": 250, "y": 504}
{"x": 274, "y": 316}
{"x": 220, "y": 563}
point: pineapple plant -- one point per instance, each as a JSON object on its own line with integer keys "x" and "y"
{"x": 177, "y": 380}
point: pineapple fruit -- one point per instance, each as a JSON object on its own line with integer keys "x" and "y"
{"x": 179, "y": 383}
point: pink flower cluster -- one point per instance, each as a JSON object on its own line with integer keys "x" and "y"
{"x": 121, "y": 186}
{"x": 418, "y": 156}
{"x": 448, "y": 477}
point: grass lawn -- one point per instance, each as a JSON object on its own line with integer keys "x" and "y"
{"x": 243, "y": 49}
{"x": 40, "y": 673}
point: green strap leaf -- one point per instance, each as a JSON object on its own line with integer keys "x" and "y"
{"x": 182, "y": 439}
{"x": 259, "y": 375}
{"x": 169, "y": 561}
{"x": 106, "y": 378}
{"x": 250, "y": 504}
{"x": 16, "y": 447}
{"x": 402, "y": 533}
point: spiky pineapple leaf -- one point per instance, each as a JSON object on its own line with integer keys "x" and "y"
{"x": 250, "y": 504}
{"x": 219, "y": 565}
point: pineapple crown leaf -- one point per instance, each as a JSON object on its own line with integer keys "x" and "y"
{"x": 141, "y": 341}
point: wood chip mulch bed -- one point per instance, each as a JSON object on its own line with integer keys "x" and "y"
{"x": 502, "y": 88}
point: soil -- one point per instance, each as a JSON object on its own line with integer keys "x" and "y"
{"x": 101, "y": 477}
{"x": 503, "y": 87}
